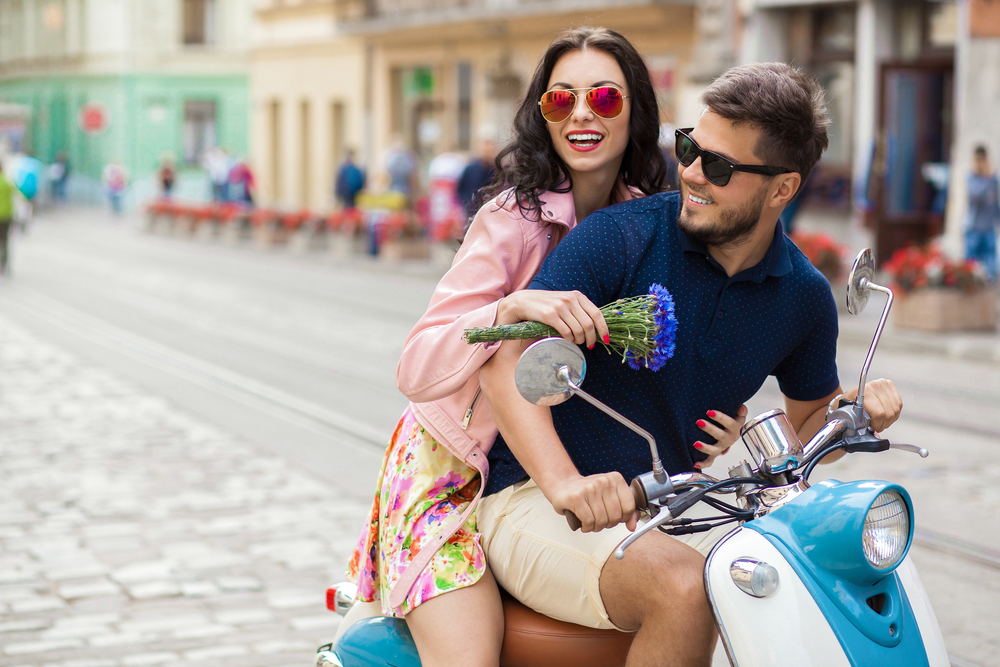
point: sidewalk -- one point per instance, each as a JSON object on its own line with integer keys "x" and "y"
{"x": 132, "y": 534}
{"x": 981, "y": 346}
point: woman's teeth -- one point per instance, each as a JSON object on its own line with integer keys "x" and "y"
{"x": 699, "y": 200}
{"x": 586, "y": 140}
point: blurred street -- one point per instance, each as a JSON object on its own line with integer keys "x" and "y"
{"x": 190, "y": 431}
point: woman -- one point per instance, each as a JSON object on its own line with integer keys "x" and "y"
{"x": 585, "y": 137}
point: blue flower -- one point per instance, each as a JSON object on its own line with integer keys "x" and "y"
{"x": 666, "y": 329}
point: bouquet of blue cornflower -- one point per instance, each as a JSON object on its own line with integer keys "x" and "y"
{"x": 642, "y": 329}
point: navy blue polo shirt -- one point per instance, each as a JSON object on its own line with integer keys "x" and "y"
{"x": 777, "y": 318}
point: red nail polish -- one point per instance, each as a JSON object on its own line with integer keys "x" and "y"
{"x": 698, "y": 445}
{"x": 700, "y": 423}
{"x": 697, "y": 465}
{"x": 607, "y": 339}
{"x": 711, "y": 414}
{"x": 591, "y": 346}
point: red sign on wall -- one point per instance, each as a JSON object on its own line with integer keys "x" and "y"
{"x": 93, "y": 118}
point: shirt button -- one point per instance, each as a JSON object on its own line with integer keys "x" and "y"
{"x": 720, "y": 314}
{"x": 548, "y": 236}
{"x": 548, "y": 213}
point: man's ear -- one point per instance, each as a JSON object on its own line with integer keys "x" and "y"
{"x": 786, "y": 187}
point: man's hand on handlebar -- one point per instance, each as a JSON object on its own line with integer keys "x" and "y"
{"x": 598, "y": 501}
{"x": 724, "y": 436}
{"x": 882, "y": 402}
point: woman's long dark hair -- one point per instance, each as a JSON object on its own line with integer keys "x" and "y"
{"x": 530, "y": 164}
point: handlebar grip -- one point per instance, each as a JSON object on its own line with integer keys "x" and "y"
{"x": 574, "y": 523}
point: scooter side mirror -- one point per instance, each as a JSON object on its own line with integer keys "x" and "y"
{"x": 549, "y": 371}
{"x": 861, "y": 276}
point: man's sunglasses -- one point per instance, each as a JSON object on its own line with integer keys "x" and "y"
{"x": 717, "y": 169}
{"x": 605, "y": 101}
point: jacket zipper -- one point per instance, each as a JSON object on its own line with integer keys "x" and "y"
{"x": 472, "y": 408}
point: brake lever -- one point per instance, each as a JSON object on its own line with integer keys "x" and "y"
{"x": 667, "y": 514}
{"x": 913, "y": 449}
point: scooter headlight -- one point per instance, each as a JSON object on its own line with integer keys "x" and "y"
{"x": 886, "y": 530}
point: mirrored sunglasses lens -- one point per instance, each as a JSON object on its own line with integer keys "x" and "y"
{"x": 606, "y": 102}
{"x": 557, "y": 105}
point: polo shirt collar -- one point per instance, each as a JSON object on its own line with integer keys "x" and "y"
{"x": 776, "y": 262}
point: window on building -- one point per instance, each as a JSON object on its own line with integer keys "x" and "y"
{"x": 199, "y": 21}
{"x": 199, "y": 130}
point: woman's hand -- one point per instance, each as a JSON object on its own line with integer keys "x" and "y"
{"x": 572, "y": 314}
{"x": 725, "y": 436}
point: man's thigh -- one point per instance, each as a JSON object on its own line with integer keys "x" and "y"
{"x": 554, "y": 570}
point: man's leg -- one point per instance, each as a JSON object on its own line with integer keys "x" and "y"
{"x": 658, "y": 589}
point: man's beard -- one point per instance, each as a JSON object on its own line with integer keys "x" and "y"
{"x": 732, "y": 226}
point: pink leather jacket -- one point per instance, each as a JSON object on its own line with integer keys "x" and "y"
{"x": 438, "y": 371}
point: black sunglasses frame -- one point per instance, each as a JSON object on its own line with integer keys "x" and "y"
{"x": 709, "y": 157}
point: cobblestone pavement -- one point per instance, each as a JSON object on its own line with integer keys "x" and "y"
{"x": 134, "y": 534}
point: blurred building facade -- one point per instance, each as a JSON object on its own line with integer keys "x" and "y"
{"x": 438, "y": 75}
{"x": 128, "y": 81}
{"x": 911, "y": 86}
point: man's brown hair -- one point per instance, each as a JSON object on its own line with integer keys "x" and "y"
{"x": 784, "y": 103}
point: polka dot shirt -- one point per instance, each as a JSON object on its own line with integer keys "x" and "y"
{"x": 777, "y": 318}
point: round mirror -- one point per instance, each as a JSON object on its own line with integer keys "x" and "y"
{"x": 537, "y": 372}
{"x": 863, "y": 271}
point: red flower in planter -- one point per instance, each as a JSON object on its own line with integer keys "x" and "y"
{"x": 822, "y": 252}
{"x": 922, "y": 267}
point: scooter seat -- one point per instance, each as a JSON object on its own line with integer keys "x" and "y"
{"x": 533, "y": 640}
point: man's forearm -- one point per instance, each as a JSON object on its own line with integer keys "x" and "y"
{"x": 527, "y": 429}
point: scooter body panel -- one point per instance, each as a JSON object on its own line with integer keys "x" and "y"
{"x": 930, "y": 630}
{"x": 377, "y": 642}
{"x": 814, "y": 543}
{"x": 787, "y": 629}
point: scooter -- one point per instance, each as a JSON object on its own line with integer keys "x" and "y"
{"x": 812, "y": 575}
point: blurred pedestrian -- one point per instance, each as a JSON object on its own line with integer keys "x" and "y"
{"x": 477, "y": 174}
{"x": 218, "y": 165}
{"x": 983, "y": 214}
{"x": 6, "y": 217}
{"x": 401, "y": 164}
{"x": 350, "y": 181}
{"x": 58, "y": 176}
{"x": 241, "y": 183}
{"x": 167, "y": 174}
{"x": 115, "y": 179}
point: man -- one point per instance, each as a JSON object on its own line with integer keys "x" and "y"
{"x": 350, "y": 181}
{"x": 6, "y": 217}
{"x": 477, "y": 174}
{"x": 748, "y": 305}
{"x": 983, "y": 214}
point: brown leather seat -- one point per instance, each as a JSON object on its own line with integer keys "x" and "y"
{"x": 533, "y": 640}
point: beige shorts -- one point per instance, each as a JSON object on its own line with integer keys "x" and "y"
{"x": 554, "y": 570}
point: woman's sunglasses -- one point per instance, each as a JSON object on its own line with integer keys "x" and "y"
{"x": 717, "y": 169}
{"x": 605, "y": 101}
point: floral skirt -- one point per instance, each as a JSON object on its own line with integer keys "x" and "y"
{"x": 422, "y": 488}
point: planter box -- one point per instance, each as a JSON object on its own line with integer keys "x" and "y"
{"x": 946, "y": 310}
{"x": 404, "y": 248}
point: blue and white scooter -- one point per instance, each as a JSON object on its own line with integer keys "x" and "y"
{"x": 813, "y": 575}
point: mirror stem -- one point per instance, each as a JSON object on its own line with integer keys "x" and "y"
{"x": 659, "y": 474}
{"x": 869, "y": 285}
